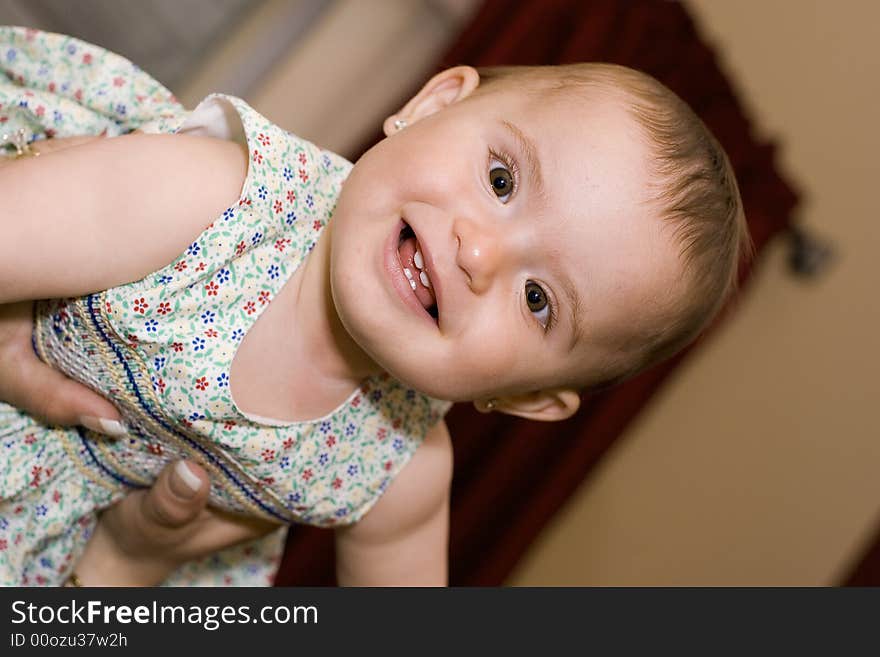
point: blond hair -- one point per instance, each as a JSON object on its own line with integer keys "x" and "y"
{"x": 694, "y": 188}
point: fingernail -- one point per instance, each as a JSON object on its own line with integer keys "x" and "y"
{"x": 191, "y": 483}
{"x": 103, "y": 425}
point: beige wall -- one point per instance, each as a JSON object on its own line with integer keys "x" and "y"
{"x": 760, "y": 463}
{"x": 354, "y": 65}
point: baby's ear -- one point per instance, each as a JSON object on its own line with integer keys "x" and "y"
{"x": 542, "y": 405}
{"x": 444, "y": 89}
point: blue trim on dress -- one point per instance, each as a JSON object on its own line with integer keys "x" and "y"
{"x": 103, "y": 467}
{"x": 147, "y": 408}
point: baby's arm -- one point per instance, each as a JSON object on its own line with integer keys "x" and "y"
{"x": 403, "y": 540}
{"x": 109, "y": 211}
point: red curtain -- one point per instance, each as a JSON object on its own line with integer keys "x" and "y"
{"x": 511, "y": 475}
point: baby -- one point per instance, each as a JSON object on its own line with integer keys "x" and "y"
{"x": 520, "y": 234}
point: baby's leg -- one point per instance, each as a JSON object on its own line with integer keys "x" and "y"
{"x": 47, "y": 506}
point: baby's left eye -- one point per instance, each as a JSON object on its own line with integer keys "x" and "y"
{"x": 501, "y": 180}
{"x": 538, "y": 303}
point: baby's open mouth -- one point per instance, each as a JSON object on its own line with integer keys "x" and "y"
{"x": 415, "y": 270}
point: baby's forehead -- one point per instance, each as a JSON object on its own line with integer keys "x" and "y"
{"x": 629, "y": 276}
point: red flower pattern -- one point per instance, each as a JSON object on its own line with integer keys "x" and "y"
{"x": 160, "y": 344}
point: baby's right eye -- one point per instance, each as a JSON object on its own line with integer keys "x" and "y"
{"x": 502, "y": 183}
{"x": 502, "y": 177}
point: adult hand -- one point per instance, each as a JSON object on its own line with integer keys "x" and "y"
{"x": 29, "y": 384}
{"x": 143, "y": 538}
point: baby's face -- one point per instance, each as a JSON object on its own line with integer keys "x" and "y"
{"x": 534, "y": 232}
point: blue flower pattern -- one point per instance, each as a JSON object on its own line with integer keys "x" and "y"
{"x": 194, "y": 314}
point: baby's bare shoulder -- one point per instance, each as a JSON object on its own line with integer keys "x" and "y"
{"x": 403, "y": 540}
{"x": 418, "y": 490}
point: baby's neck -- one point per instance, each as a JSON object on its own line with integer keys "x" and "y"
{"x": 317, "y": 326}
{"x": 297, "y": 362}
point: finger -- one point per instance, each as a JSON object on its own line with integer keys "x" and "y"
{"x": 176, "y": 499}
{"x": 31, "y": 385}
{"x": 220, "y": 529}
{"x": 56, "y": 399}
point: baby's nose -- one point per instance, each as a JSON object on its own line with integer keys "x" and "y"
{"x": 480, "y": 252}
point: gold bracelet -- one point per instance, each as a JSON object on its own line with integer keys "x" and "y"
{"x": 20, "y": 142}
{"x": 73, "y": 581}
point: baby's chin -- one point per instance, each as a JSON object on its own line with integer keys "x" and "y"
{"x": 420, "y": 376}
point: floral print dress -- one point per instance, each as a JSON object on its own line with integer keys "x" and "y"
{"x": 161, "y": 348}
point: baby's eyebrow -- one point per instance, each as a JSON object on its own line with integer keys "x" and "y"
{"x": 527, "y": 146}
{"x": 573, "y": 301}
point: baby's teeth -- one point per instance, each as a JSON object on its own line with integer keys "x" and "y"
{"x": 423, "y": 277}
{"x": 409, "y": 277}
{"x": 418, "y": 260}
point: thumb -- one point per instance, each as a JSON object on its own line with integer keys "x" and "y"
{"x": 138, "y": 540}
{"x": 176, "y": 499}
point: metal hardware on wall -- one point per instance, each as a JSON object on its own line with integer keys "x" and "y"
{"x": 808, "y": 256}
